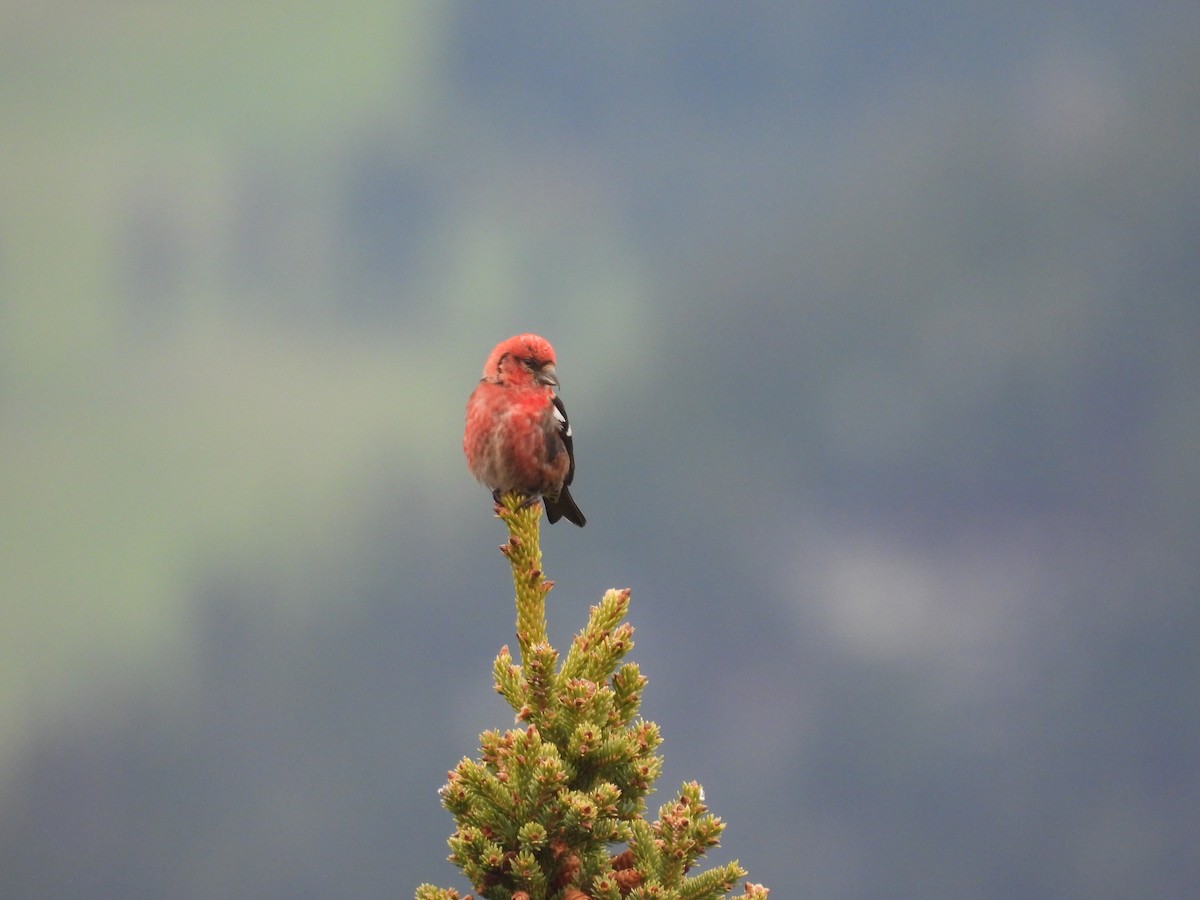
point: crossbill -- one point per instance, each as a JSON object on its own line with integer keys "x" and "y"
{"x": 517, "y": 437}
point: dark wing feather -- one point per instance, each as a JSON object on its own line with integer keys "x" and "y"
{"x": 564, "y": 432}
{"x": 564, "y": 504}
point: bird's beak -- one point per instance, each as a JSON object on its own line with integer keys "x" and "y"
{"x": 546, "y": 375}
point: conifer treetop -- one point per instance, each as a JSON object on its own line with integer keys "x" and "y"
{"x": 554, "y": 808}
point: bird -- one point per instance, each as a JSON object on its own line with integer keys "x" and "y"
{"x": 517, "y": 437}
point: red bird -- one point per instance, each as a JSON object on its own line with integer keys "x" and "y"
{"x": 517, "y": 437}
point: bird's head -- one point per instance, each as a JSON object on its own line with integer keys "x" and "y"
{"x": 522, "y": 360}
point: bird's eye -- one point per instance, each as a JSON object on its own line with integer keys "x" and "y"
{"x": 530, "y": 362}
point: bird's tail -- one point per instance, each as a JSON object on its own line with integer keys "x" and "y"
{"x": 563, "y": 507}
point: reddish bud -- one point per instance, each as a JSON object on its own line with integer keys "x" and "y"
{"x": 623, "y": 860}
{"x": 627, "y": 879}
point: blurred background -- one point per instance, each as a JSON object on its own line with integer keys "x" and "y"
{"x": 878, "y": 327}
